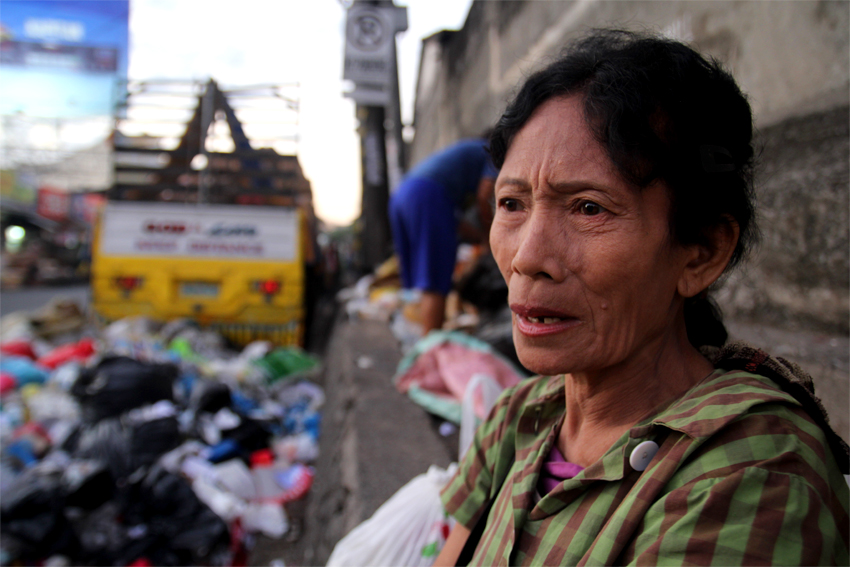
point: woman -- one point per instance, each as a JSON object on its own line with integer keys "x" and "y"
{"x": 624, "y": 194}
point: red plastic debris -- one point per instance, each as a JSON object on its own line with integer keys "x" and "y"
{"x": 76, "y": 352}
{"x": 7, "y": 383}
{"x": 18, "y": 348}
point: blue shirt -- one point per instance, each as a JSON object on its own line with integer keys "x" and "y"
{"x": 458, "y": 169}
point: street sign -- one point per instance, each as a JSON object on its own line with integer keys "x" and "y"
{"x": 370, "y": 42}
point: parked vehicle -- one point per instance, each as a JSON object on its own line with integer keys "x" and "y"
{"x": 227, "y": 243}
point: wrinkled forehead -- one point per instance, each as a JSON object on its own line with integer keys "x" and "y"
{"x": 557, "y": 141}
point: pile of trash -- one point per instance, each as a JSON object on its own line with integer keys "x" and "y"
{"x": 477, "y": 305}
{"x": 149, "y": 444}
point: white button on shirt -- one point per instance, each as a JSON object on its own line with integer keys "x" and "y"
{"x": 642, "y": 454}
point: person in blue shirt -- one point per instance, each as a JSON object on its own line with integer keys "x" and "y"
{"x": 426, "y": 216}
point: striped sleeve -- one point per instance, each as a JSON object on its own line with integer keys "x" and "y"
{"x": 763, "y": 491}
{"x": 466, "y": 496}
{"x": 488, "y": 459}
{"x": 752, "y": 517}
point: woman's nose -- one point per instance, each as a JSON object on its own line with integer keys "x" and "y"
{"x": 539, "y": 248}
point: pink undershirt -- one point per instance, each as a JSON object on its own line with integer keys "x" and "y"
{"x": 555, "y": 470}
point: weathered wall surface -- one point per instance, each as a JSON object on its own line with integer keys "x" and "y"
{"x": 799, "y": 275}
{"x": 792, "y": 58}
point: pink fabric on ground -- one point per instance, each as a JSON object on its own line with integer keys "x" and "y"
{"x": 447, "y": 368}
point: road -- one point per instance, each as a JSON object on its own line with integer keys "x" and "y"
{"x": 32, "y": 298}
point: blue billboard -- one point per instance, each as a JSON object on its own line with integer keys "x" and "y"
{"x": 62, "y": 58}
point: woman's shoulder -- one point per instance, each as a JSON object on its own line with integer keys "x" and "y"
{"x": 719, "y": 399}
{"x": 749, "y": 380}
{"x": 744, "y": 421}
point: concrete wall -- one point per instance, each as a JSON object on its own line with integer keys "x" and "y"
{"x": 792, "y": 58}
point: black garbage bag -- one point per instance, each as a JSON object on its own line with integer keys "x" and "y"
{"x": 496, "y": 329}
{"x": 125, "y": 443}
{"x": 120, "y": 383}
{"x": 103, "y": 537}
{"x": 173, "y": 527}
{"x": 32, "y": 518}
{"x": 108, "y": 442}
{"x": 87, "y": 484}
{"x": 209, "y": 396}
{"x": 251, "y": 435}
{"x": 151, "y": 439}
{"x": 483, "y": 285}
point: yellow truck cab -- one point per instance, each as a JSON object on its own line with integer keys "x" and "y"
{"x": 226, "y": 244}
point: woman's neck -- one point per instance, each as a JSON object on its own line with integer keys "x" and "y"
{"x": 603, "y": 405}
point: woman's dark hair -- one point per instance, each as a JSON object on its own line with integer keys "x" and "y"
{"x": 662, "y": 112}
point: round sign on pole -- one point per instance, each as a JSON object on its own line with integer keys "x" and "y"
{"x": 369, "y": 46}
{"x": 366, "y": 30}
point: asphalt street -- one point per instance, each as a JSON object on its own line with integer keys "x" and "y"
{"x": 32, "y": 298}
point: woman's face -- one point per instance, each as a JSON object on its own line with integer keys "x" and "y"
{"x": 591, "y": 270}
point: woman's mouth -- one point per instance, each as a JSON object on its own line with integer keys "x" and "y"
{"x": 537, "y": 322}
{"x": 545, "y": 320}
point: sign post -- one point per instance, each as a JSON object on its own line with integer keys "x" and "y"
{"x": 371, "y": 64}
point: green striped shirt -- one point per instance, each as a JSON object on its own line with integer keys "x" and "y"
{"x": 743, "y": 476}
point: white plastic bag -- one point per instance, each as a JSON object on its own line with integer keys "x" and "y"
{"x": 408, "y": 530}
{"x": 480, "y": 397}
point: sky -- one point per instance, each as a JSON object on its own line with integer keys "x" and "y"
{"x": 248, "y": 42}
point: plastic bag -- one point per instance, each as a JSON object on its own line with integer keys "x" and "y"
{"x": 24, "y": 370}
{"x": 483, "y": 286}
{"x": 301, "y": 447}
{"x": 107, "y": 441}
{"x": 118, "y": 384}
{"x": 176, "y": 522}
{"x": 209, "y": 396}
{"x": 52, "y": 403}
{"x": 87, "y": 484}
{"x": 409, "y": 529}
{"x": 302, "y": 393}
{"x": 268, "y": 518}
{"x": 480, "y": 396}
{"x": 286, "y": 362}
{"x": 33, "y": 518}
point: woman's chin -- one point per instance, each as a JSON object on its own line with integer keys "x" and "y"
{"x": 541, "y": 363}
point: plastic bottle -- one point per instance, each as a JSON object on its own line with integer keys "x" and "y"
{"x": 264, "y": 472}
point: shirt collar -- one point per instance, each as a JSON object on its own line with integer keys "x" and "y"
{"x": 719, "y": 399}
{"x": 702, "y": 411}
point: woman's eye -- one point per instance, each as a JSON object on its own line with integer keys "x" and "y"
{"x": 589, "y": 208}
{"x": 510, "y": 205}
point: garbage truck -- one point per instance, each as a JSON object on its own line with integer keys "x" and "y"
{"x": 224, "y": 237}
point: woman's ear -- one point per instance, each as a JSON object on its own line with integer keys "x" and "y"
{"x": 707, "y": 261}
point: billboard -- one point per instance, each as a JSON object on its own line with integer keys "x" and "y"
{"x": 62, "y": 58}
